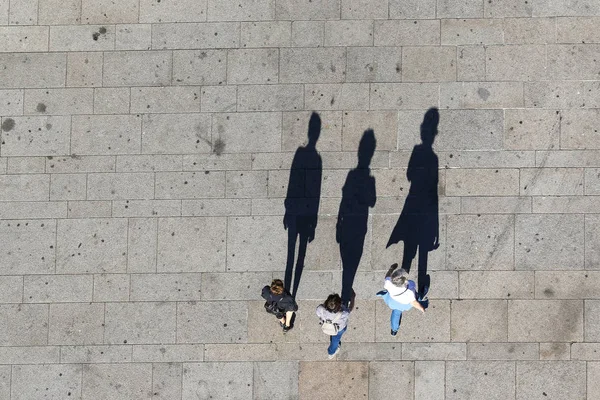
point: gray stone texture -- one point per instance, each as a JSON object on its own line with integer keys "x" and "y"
{"x": 145, "y": 156}
{"x": 540, "y": 245}
{"x": 478, "y": 379}
{"x": 117, "y": 381}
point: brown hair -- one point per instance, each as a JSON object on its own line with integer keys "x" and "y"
{"x": 333, "y": 303}
{"x": 277, "y": 286}
{"x": 399, "y": 278}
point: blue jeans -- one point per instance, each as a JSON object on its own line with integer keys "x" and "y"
{"x": 334, "y": 342}
{"x": 395, "y": 319}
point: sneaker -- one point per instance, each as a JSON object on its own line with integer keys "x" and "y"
{"x": 330, "y": 356}
{"x": 393, "y": 332}
{"x": 286, "y": 329}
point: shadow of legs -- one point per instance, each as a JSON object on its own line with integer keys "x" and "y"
{"x": 299, "y": 263}
{"x": 410, "y": 250}
{"x": 424, "y": 280}
{"x": 292, "y": 234}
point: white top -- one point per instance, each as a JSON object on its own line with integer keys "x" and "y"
{"x": 402, "y": 295}
{"x": 342, "y": 320}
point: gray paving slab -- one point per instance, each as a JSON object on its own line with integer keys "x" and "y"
{"x": 111, "y": 287}
{"x": 185, "y": 11}
{"x": 382, "y": 373}
{"x": 107, "y": 12}
{"x": 374, "y": 64}
{"x": 29, "y": 247}
{"x": 69, "y": 12}
{"x": 193, "y": 67}
{"x": 24, "y": 324}
{"x": 195, "y": 322}
{"x": 91, "y": 245}
{"x": 536, "y": 237}
{"x": 476, "y": 379}
{"x": 456, "y": 95}
{"x": 491, "y": 235}
{"x": 206, "y": 236}
{"x": 117, "y": 381}
{"x": 503, "y": 351}
{"x": 478, "y": 320}
{"x": 168, "y": 353}
{"x": 353, "y": 379}
{"x": 133, "y": 37}
{"x": 470, "y": 63}
{"x": 593, "y": 371}
{"x": 545, "y": 320}
{"x": 95, "y": 354}
{"x": 528, "y": 30}
{"x": 29, "y": 381}
{"x": 276, "y": 380}
{"x": 190, "y": 35}
{"x": 166, "y": 380}
{"x": 319, "y": 10}
{"x": 140, "y": 323}
{"x": 535, "y": 377}
{"x": 427, "y": 374}
{"x": 214, "y": 379}
{"x": 145, "y": 157}
{"x": 555, "y": 351}
{"x": 84, "y": 69}
{"x": 498, "y": 284}
{"x": 36, "y": 70}
{"x": 501, "y": 63}
{"x": 30, "y": 355}
{"x": 57, "y": 288}
{"x": 76, "y": 324}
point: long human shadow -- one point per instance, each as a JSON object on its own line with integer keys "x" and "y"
{"x": 302, "y": 202}
{"x": 418, "y": 225}
{"x": 358, "y": 194}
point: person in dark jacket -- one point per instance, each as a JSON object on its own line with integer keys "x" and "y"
{"x": 280, "y": 303}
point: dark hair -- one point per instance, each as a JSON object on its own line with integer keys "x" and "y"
{"x": 277, "y": 286}
{"x": 333, "y": 303}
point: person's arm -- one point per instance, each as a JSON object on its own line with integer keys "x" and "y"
{"x": 265, "y": 292}
{"x": 417, "y": 305}
{"x": 319, "y": 311}
{"x": 391, "y": 270}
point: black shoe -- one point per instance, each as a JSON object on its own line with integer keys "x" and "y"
{"x": 393, "y": 332}
{"x": 286, "y": 329}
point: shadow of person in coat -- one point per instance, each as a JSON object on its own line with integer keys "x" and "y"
{"x": 358, "y": 195}
{"x": 418, "y": 224}
{"x": 302, "y": 202}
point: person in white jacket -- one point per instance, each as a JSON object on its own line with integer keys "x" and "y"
{"x": 333, "y": 311}
{"x": 399, "y": 295}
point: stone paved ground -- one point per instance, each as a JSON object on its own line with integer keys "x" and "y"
{"x": 145, "y": 154}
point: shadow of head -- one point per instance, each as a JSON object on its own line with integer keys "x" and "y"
{"x": 314, "y": 128}
{"x": 366, "y": 148}
{"x": 429, "y": 126}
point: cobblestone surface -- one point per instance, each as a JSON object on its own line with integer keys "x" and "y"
{"x": 145, "y": 158}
